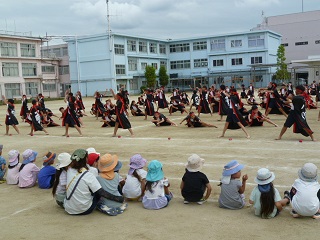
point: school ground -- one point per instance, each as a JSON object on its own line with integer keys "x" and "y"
{"x": 33, "y": 213}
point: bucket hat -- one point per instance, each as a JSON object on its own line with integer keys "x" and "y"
{"x": 64, "y": 160}
{"x": 48, "y": 158}
{"x": 106, "y": 165}
{"x": 195, "y": 163}
{"x": 308, "y": 173}
{"x": 29, "y": 156}
{"x": 78, "y": 154}
{"x": 13, "y": 157}
{"x": 136, "y": 162}
{"x": 155, "y": 172}
{"x": 232, "y": 167}
{"x": 264, "y": 176}
{"x": 92, "y": 158}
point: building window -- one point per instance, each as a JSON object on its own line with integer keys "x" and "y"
{"x": 63, "y": 70}
{"x": 180, "y": 47}
{"x": 143, "y": 47}
{"x": 163, "y": 63}
{"x": 131, "y": 46}
{"x": 285, "y": 44}
{"x": 183, "y": 64}
{"x": 132, "y": 64}
{"x": 317, "y": 42}
{"x": 236, "y": 43}
{"x": 49, "y": 87}
{"x": 256, "y": 41}
{"x": 198, "y": 63}
{"x": 120, "y": 69}
{"x": 162, "y": 48}
{"x": 64, "y": 51}
{"x": 218, "y": 62}
{"x": 236, "y": 61}
{"x": 134, "y": 84}
{"x": 12, "y": 90}
{"x": 154, "y": 65}
{"x": 119, "y": 49}
{"x": 28, "y": 50}
{"x": 301, "y": 43}
{"x": 255, "y": 60}
{"x": 48, "y": 69}
{"x": 29, "y": 69}
{"x": 143, "y": 65}
{"x": 8, "y": 49}
{"x": 56, "y": 52}
{"x": 153, "y": 47}
{"x": 10, "y": 69}
{"x": 200, "y": 45}
{"x": 258, "y": 78}
{"x": 218, "y": 44}
{"x": 32, "y": 88}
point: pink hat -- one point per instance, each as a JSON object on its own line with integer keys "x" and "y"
{"x": 136, "y": 162}
{"x": 13, "y": 157}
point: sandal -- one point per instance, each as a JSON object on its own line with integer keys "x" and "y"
{"x": 106, "y": 210}
{"x": 287, "y": 196}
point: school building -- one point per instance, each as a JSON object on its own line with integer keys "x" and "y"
{"x": 25, "y": 70}
{"x": 301, "y": 39}
{"x": 103, "y": 61}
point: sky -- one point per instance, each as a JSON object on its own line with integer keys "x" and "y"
{"x": 151, "y": 18}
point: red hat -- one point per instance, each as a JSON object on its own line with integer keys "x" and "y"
{"x": 92, "y": 157}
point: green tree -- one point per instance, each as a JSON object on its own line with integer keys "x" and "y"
{"x": 282, "y": 72}
{"x": 150, "y": 75}
{"x": 163, "y": 76}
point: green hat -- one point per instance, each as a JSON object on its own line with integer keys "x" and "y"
{"x": 78, "y": 154}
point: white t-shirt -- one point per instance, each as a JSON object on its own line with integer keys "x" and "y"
{"x": 61, "y": 188}
{"x": 94, "y": 171}
{"x": 305, "y": 202}
{"x": 81, "y": 200}
{"x": 157, "y": 189}
{"x": 132, "y": 187}
{"x": 13, "y": 175}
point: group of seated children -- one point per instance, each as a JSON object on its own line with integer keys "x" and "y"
{"x": 86, "y": 180}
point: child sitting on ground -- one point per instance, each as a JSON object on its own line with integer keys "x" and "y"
{"x": 195, "y": 183}
{"x": 305, "y": 193}
{"x": 256, "y": 118}
{"x": 47, "y": 172}
{"x": 13, "y": 168}
{"x": 2, "y": 166}
{"x": 28, "y": 172}
{"x": 59, "y": 188}
{"x": 109, "y": 166}
{"x": 136, "y": 178}
{"x": 156, "y": 192}
{"x": 265, "y": 198}
{"x": 232, "y": 189}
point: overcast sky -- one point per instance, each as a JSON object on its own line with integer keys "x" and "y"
{"x": 155, "y": 18}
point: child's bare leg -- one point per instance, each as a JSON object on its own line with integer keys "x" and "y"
{"x": 268, "y": 111}
{"x": 310, "y": 134}
{"x": 115, "y": 129}
{"x": 283, "y": 112}
{"x": 131, "y": 132}
{"x": 226, "y": 125}
{"x": 243, "y": 129}
{"x": 172, "y": 123}
{"x": 45, "y": 131}
{"x": 283, "y": 130}
{"x": 67, "y": 130}
{"x": 79, "y": 130}
{"x": 16, "y": 128}
{"x": 7, "y": 129}
{"x": 166, "y": 190}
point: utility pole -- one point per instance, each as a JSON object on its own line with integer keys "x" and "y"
{"x": 302, "y": 5}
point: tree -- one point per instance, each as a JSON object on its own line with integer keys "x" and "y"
{"x": 163, "y": 76}
{"x": 150, "y": 75}
{"x": 282, "y": 72}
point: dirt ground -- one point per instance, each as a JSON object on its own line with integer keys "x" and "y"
{"x": 33, "y": 213}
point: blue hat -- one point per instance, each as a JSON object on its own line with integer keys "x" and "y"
{"x": 232, "y": 168}
{"x": 155, "y": 172}
{"x": 29, "y": 156}
{"x": 118, "y": 166}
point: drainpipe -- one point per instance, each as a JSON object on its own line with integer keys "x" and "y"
{"x": 78, "y": 64}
